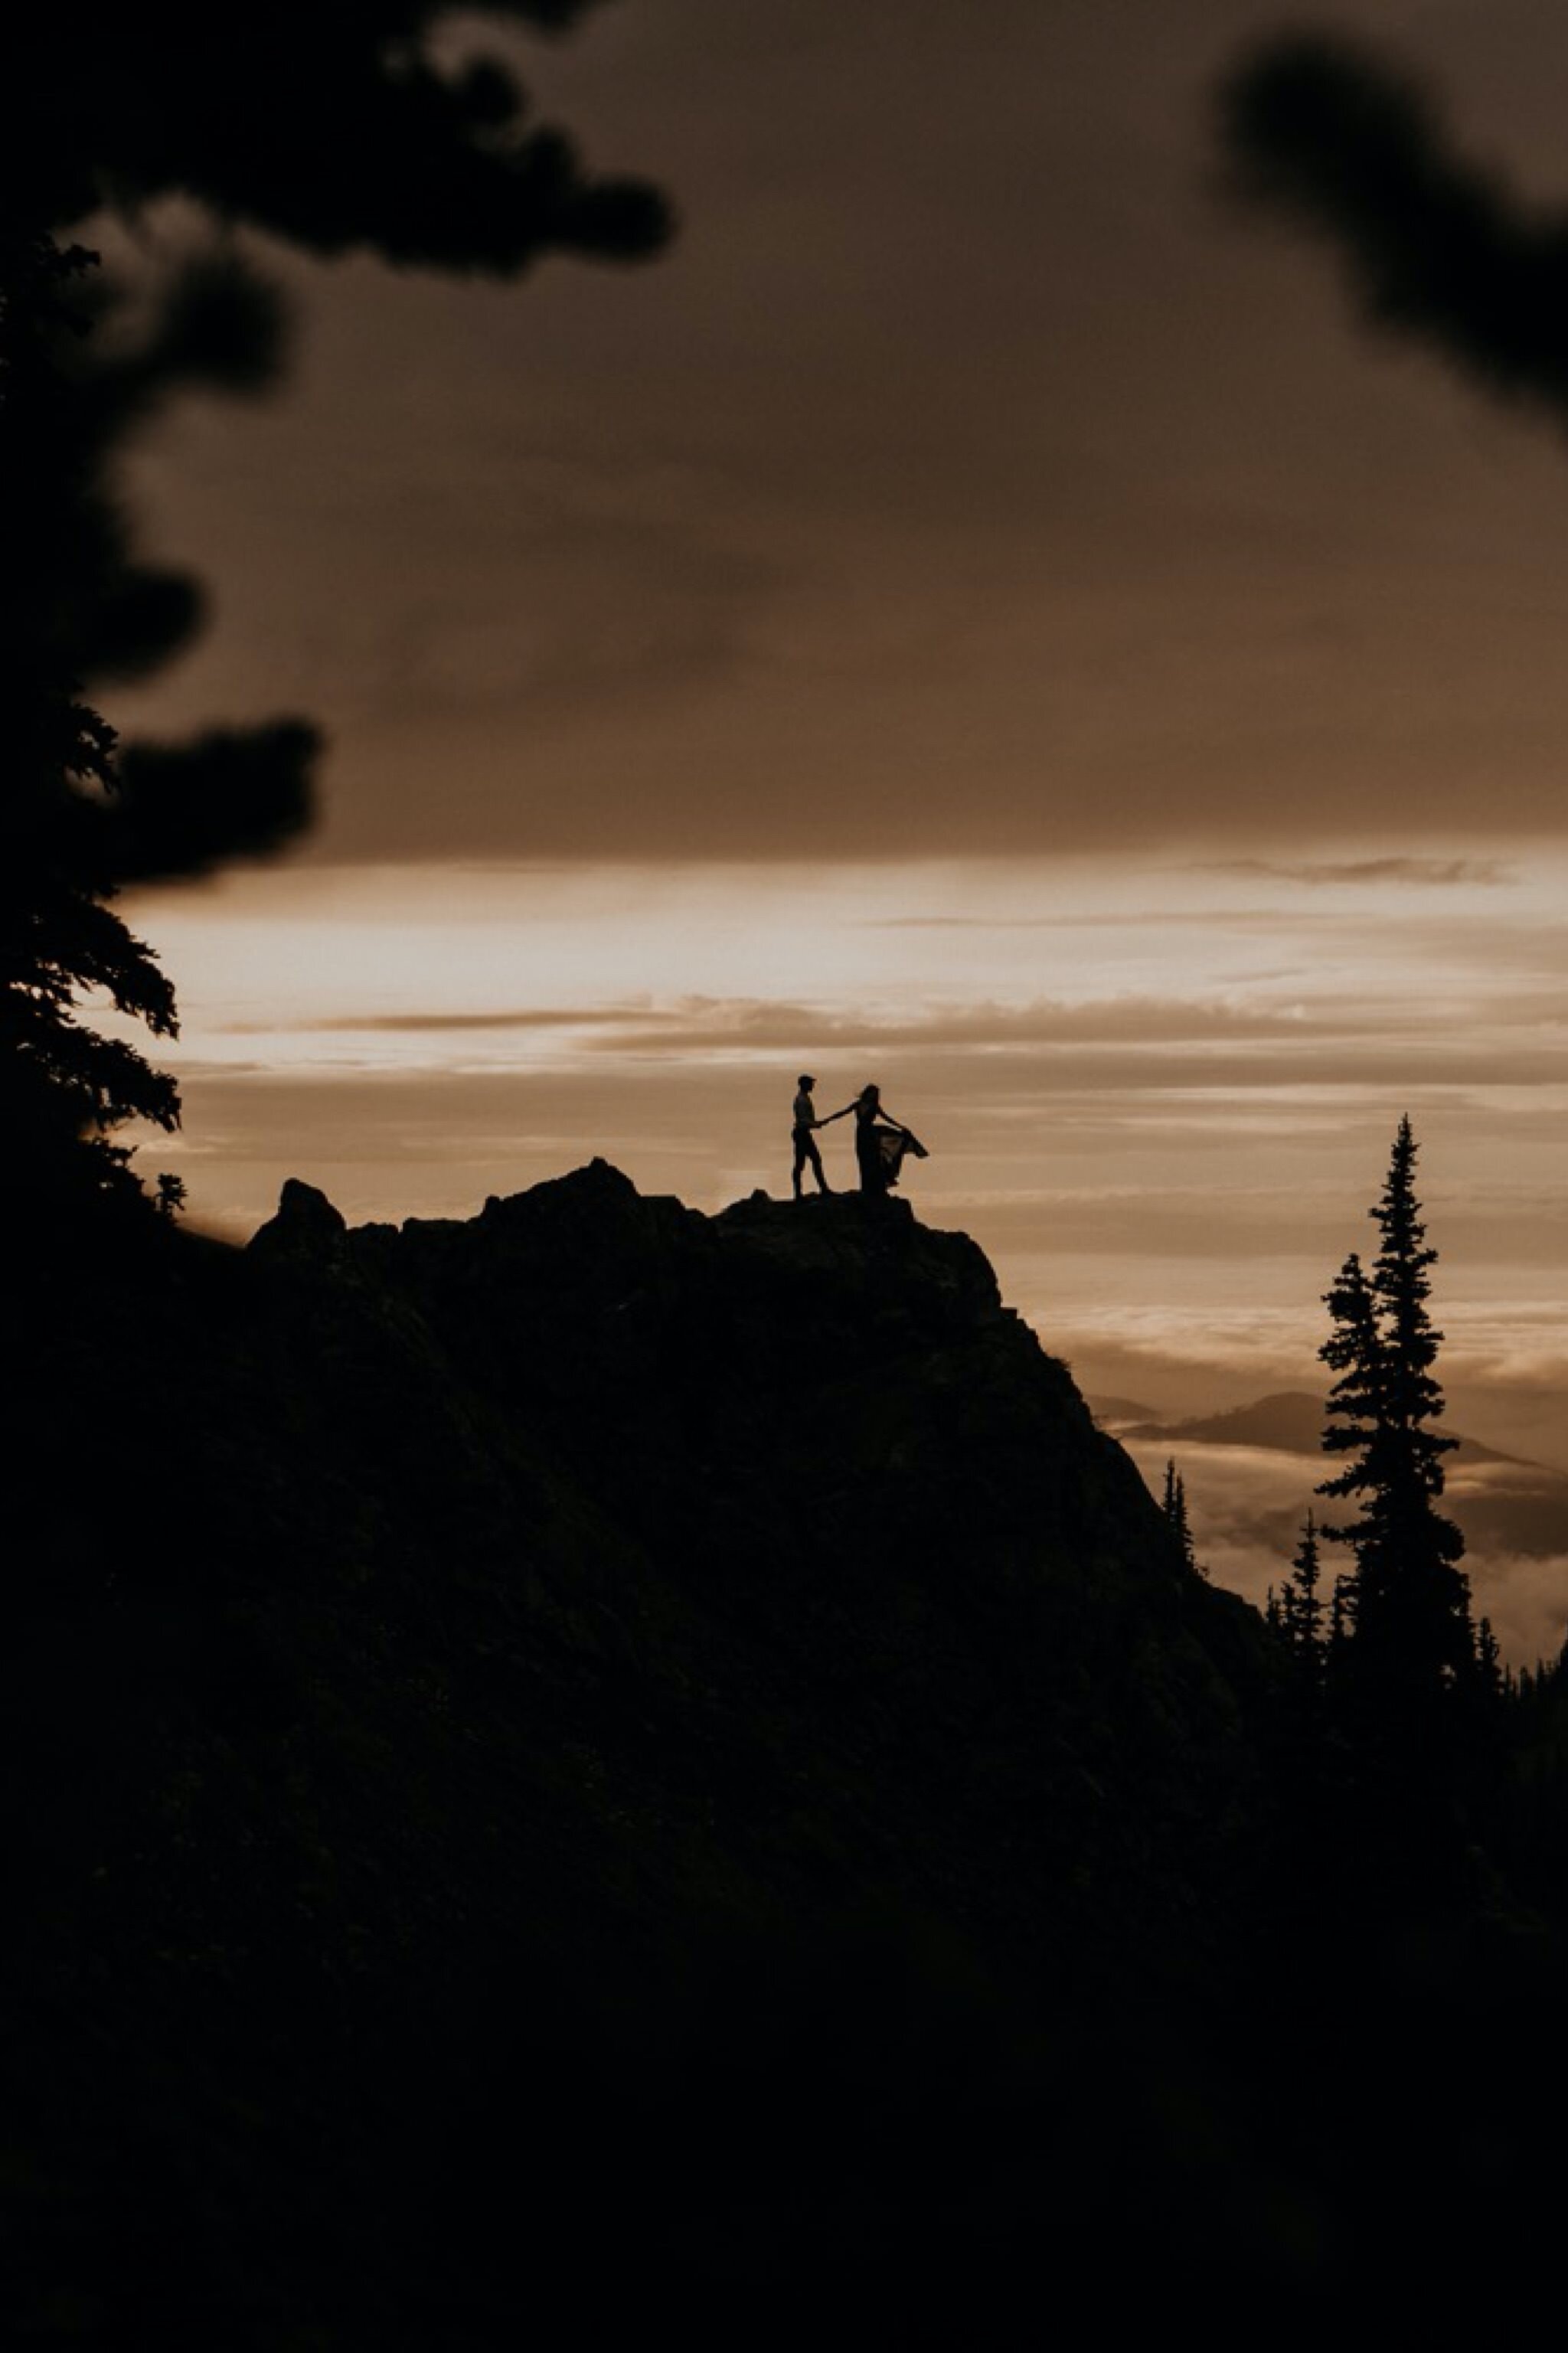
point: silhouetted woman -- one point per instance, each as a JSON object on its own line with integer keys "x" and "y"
{"x": 871, "y": 1124}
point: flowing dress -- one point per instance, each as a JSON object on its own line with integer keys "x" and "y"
{"x": 880, "y": 1151}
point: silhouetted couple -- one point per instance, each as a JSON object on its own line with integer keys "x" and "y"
{"x": 880, "y": 1142}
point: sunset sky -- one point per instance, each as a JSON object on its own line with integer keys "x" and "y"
{"x": 979, "y": 614}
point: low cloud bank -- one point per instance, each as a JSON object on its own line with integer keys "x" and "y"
{"x": 1246, "y": 1505}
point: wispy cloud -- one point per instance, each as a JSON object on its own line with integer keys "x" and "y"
{"x": 691, "y": 1024}
{"x": 619, "y": 1017}
{"x": 1429, "y": 873}
{"x": 977, "y": 922}
{"x": 701, "y": 1022}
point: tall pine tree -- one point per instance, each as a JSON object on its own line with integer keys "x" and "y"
{"x": 1409, "y": 1632}
{"x": 1174, "y": 1504}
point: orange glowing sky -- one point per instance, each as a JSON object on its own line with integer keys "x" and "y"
{"x": 978, "y": 615}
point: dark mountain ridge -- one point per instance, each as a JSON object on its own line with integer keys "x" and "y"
{"x": 1509, "y": 1507}
{"x": 1289, "y": 1420}
{"x": 597, "y": 1749}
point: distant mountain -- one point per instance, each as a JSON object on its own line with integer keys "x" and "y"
{"x": 1289, "y": 1420}
{"x": 1110, "y": 1411}
{"x": 1507, "y": 1506}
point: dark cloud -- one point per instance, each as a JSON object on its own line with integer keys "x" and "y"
{"x": 1346, "y": 144}
{"x": 962, "y": 483}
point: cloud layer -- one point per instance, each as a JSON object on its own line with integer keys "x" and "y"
{"x": 970, "y": 480}
{"x": 1246, "y": 1505}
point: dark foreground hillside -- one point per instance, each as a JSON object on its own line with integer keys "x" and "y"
{"x": 603, "y": 1755}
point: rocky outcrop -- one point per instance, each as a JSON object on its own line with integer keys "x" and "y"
{"x": 486, "y": 1680}
{"x": 306, "y": 1226}
{"x": 798, "y": 1473}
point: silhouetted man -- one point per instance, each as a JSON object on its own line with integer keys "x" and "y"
{"x": 806, "y": 1149}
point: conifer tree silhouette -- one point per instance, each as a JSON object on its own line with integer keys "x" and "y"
{"x": 1301, "y": 1612}
{"x": 1493, "y": 1675}
{"x": 1174, "y": 1504}
{"x": 78, "y": 817}
{"x": 331, "y": 126}
{"x": 1407, "y": 1632}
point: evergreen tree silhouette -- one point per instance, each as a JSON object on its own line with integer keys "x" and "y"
{"x": 1493, "y": 1676}
{"x": 1407, "y": 1632}
{"x": 1302, "y": 1614}
{"x": 1174, "y": 1504}
{"x": 388, "y": 125}
{"x": 78, "y": 816}
{"x": 330, "y": 126}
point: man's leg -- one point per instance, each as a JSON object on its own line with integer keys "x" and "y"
{"x": 822, "y": 1184}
